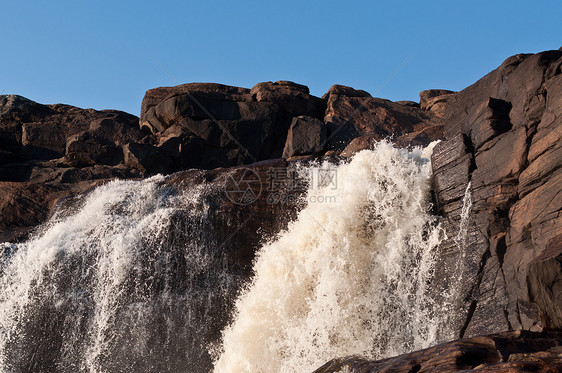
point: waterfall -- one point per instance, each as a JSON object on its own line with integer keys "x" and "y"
{"x": 125, "y": 280}
{"x": 349, "y": 276}
{"x": 133, "y": 277}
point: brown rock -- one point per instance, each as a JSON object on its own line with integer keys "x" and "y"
{"x": 230, "y": 125}
{"x": 351, "y": 114}
{"x": 510, "y": 153}
{"x": 506, "y": 352}
{"x": 435, "y": 100}
{"x": 420, "y": 138}
{"x": 545, "y": 283}
{"x": 307, "y": 135}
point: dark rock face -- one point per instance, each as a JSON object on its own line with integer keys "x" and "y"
{"x": 306, "y": 135}
{"x": 49, "y": 152}
{"x": 517, "y": 351}
{"x": 229, "y": 125}
{"x": 503, "y": 137}
{"x": 243, "y": 223}
{"x": 40, "y": 132}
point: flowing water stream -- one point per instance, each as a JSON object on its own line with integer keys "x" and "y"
{"x": 129, "y": 279}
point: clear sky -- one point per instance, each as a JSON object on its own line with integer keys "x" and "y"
{"x": 102, "y": 54}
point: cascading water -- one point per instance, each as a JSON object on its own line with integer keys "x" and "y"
{"x": 129, "y": 282}
{"x": 132, "y": 279}
{"x": 347, "y": 277}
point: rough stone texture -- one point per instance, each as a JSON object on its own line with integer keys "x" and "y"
{"x": 230, "y": 125}
{"x": 50, "y": 152}
{"x": 351, "y": 113}
{"x": 242, "y": 224}
{"x": 306, "y": 135}
{"x": 503, "y": 137}
{"x": 40, "y": 132}
{"x": 517, "y": 351}
{"x": 545, "y": 283}
{"x": 435, "y": 100}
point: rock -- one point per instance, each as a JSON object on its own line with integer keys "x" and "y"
{"x": 40, "y": 132}
{"x": 486, "y": 121}
{"x": 294, "y": 99}
{"x": 8, "y": 157}
{"x": 240, "y": 224}
{"x": 101, "y": 143}
{"x": 435, "y": 100}
{"x": 420, "y": 138}
{"x": 360, "y": 143}
{"x": 307, "y": 135}
{"x": 409, "y": 103}
{"x": 147, "y": 159}
{"x": 343, "y": 90}
{"x": 417, "y": 138}
{"x": 51, "y": 152}
{"x": 545, "y": 283}
{"x": 230, "y": 125}
{"x": 352, "y": 113}
{"x": 506, "y": 352}
{"x": 429, "y": 94}
{"x": 502, "y": 138}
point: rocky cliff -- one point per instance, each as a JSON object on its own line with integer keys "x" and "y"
{"x": 502, "y": 142}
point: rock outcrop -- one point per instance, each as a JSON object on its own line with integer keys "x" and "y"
{"x": 307, "y": 135}
{"x": 435, "y": 100}
{"x": 353, "y": 113}
{"x": 517, "y": 351}
{"x": 49, "y": 152}
{"x": 503, "y": 150}
{"x": 226, "y": 125}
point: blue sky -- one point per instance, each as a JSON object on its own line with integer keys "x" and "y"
{"x": 102, "y": 54}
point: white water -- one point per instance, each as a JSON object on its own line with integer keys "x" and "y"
{"x": 129, "y": 279}
{"x": 103, "y": 288}
{"x": 349, "y": 276}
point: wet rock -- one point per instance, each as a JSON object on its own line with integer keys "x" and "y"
{"x": 502, "y": 136}
{"x": 506, "y": 352}
{"x": 360, "y": 143}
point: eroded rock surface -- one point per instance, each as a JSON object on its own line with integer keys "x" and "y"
{"x": 517, "y": 351}
{"x": 503, "y": 138}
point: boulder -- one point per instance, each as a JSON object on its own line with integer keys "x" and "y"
{"x": 101, "y": 143}
{"x": 229, "y": 125}
{"x": 147, "y": 159}
{"x": 516, "y": 351}
{"x": 351, "y": 113}
{"x": 40, "y": 132}
{"x": 435, "y": 100}
{"x": 307, "y": 135}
